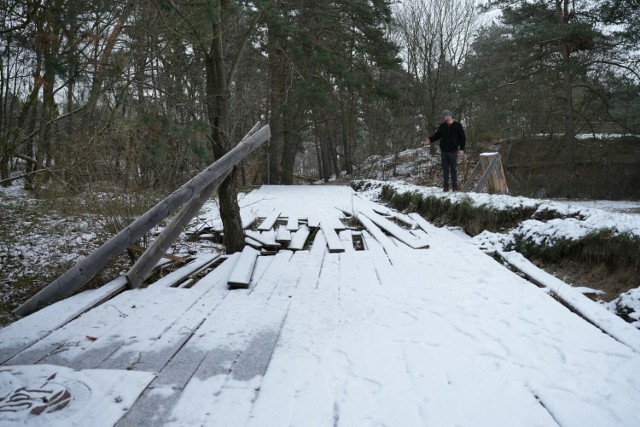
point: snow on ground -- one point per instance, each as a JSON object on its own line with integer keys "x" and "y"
{"x": 580, "y": 219}
{"x": 90, "y": 397}
{"x": 441, "y": 336}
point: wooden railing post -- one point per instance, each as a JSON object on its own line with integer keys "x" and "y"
{"x": 144, "y": 265}
{"x": 492, "y": 177}
{"x": 84, "y": 270}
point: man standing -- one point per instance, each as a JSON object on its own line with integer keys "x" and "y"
{"x": 452, "y": 141}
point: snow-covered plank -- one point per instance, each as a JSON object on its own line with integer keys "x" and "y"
{"x": 333, "y": 241}
{"x": 152, "y": 353}
{"x": 267, "y": 239}
{"x": 149, "y": 331}
{"x": 241, "y": 275}
{"x": 425, "y": 225}
{"x": 346, "y": 237}
{"x": 292, "y": 223}
{"x": 269, "y": 221}
{"x": 283, "y": 236}
{"x": 371, "y": 244}
{"x": 313, "y": 220}
{"x": 405, "y": 219}
{"x": 25, "y": 332}
{"x": 319, "y": 244}
{"x": 395, "y": 230}
{"x": 46, "y": 395}
{"x": 175, "y": 277}
{"x": 299, "y": 238}
{"x": 230, "y": 357}
{"x": 249, "y": 217}
{"x": 377, "y": 233}
{"x": 253, "y": 243}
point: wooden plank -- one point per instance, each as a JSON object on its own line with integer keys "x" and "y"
{"x": 425, "y": 225}
{"x": 333, "y": 241}
{"x": 472, "y": 176}
{"x": 153, "y": 328}
{"x": 405, "y": 219}
{"x": 253, "y": 243}
{"x": 283, "y": 236}
{"x": 292, "y": 223}
{"x": 234, "y": 354}
{"x": 299, "y": 238}
{"x": 127, "y": 321}
{"x": 27, "y": 331}
{"x": 175, "y": 277}
{"x": 313, "y": 221}
{"x": 248, "y": 218}
{"x": 395, "y": 230}
{"x": 269, "y": 221}
{"x": 319, "y": 245}
{"x": 346, "y": 237}
{"x": 266, "y": 239}
{"x": 241, "y": 275}
{"x": 377, "y": 233}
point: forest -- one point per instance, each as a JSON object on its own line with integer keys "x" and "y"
{"x": 130, "y": 95}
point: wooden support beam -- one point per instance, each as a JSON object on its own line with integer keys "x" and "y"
{"x": 497, "y": 183}
{"x": 84, "y": 270}
{"x": 476, "y": 170}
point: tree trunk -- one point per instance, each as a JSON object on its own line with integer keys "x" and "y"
{"x": 275, "y": 78}
{"x": 562, "y": 10}
{"x": 217, "y": 110}
{"x": 289, "y": 151}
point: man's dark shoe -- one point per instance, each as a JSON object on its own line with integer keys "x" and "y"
{"x": 456, "y": 188}
{"x": 446, "y": 187}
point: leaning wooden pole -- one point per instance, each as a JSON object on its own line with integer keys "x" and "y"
{"x": 84, "y": 270}
{"x": 144, "y": 265}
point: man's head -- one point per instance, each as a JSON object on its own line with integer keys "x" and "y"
{"x": 446, "y": 116}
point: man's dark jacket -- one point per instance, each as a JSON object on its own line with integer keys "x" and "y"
{"x": 451, "y": 138}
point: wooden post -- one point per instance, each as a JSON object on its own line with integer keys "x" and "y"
{"x": 144, "y": 265}
{"x": 493, "y": 176}
{"x": 89, "y": 266}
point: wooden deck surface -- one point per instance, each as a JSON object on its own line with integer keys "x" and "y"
{"x": 295, "y": 314}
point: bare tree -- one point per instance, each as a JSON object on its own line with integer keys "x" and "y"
{"x": 435, "y": 37}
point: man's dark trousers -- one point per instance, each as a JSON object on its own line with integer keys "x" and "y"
{"x": 450, "y": 164}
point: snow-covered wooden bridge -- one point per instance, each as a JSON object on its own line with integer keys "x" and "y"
{"x": 318, "y": 322}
